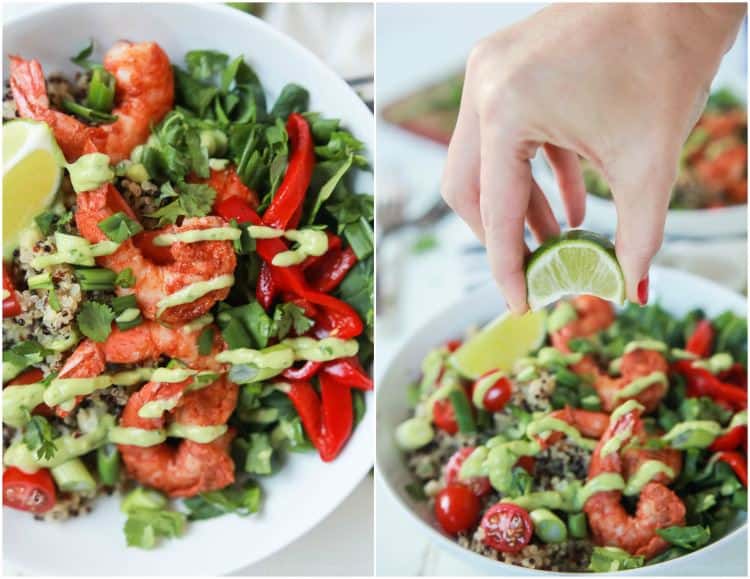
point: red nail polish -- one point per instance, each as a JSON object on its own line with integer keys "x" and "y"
{"x": 643, "y": 291}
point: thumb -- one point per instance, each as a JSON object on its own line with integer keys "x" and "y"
{"x": 641, "y": 215}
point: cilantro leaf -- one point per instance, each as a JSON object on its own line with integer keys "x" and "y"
{"x": 21, "y": 356}
{"x": 95, "y": 320}
{"x": 119, "y": 227}
{"x": 145, "y": 526}
{"x": 191, "y": 200}
{"x": 290, "y": 316}
{"x": 39, "y": 436}
{"x": 240, "y": 501}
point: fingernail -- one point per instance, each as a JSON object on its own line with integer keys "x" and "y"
{"x": 643, "y": 291}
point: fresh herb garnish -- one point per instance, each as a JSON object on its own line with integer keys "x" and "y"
{"x": 119, "y": 227}
{"x": 288, "y": 317}
{"x": 39, "y": 437}
{"x": 95, "y": 320}
{"x": 240, "y": 501}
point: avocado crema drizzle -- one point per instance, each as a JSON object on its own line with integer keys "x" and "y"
{"x": 249, "y": 365}
{"x": 496, "y": 459}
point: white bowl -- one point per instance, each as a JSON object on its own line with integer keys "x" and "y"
{"x": 668, "y": 287}
{"x": 306, "y": 489}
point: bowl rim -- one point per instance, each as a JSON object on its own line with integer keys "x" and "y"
{"x": 480, "y": 561}
{"x": 328, "y": 76}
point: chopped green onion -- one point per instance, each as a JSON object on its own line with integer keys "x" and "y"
{"x": 96, "y": 279}
{"x": 125, "y": 278}
{"x": 87, "y": 113}
{"x": 461, "y": 406}
{"x": 123, "y": 303}
{"x": 108, "y": 464}
{"x": 101, "y": 95}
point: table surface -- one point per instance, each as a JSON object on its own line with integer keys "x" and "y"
{"x": 408, "y": 57}
{"x": 349, "y": 527}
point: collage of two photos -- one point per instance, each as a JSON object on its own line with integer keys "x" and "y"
{"x": 458, "y": 298}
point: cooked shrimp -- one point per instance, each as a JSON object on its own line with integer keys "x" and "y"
{"x": 144, "y": 94}
{"x": 146, "y": 342}
{"x": 658, "y": 506}
{"x": 189, "y": 468}
{"x": 181, "y": 264}
{"x": 589, "y": 423}
{"x": 635, "y": 364}
{"x": 633, "y": 458}
{"x": 593, "y": 315}
{"x": 227, "y": 183}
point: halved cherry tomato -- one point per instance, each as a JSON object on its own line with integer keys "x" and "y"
{"x": 507, "y": 527}
{"x": 456, "y": 508}
{"x": 497, "y": 395}
{"x": 444, "y": 416}
{"x": 28, "y": 492}
{"x": 479, "y": 485}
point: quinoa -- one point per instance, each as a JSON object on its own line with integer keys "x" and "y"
{"x": 10, "y": 111}
{"x": 143, "y": 198}
{"x": 61, "y": 88}
{"x": 560, "y": 464}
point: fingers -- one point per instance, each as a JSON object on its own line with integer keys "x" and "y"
{"x": 460, "y": 184}
{"x": 505, "y": 181}
{"x": 640, "y": 228}
{"x": 541, "y": 218}
{"x": 567, "y": 169}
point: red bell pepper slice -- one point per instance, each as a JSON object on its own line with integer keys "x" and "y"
{"x": 735, "y": 375}
{"x": 701, "y": 340}
{"x": 737, "y": 461}
{"x": 285, "y": 209}
{"x": 331, "y": 269}
{"x": 304, "y": 372}
{"x": 700, "y": 382}
{"x": 732, "y": 440}
{"x": 11, "y": 304}
{"x": 307, "y": 404}
{"x": 339, "y": 318}
{"x": 348, "y": 371}
{"x": 338, "y": 416}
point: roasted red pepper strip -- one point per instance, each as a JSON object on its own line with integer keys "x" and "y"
{"x": 700, "y": 382}
{"x": 304, "y": 372}
{"x": 286, "y": 208}
{"x": 732, "y": 440}
{"x": 334, "y": 242}
{"x": 265, "y": 290}
{"x": 307, "y": 404}
{"x": 330, "y": 271}
{"x": 11, "y": 305}
{"x": 338, "y": 416}
{"x": 339, "y": 318}
{"x": 329, "y": 423}
{"x": 348, "y": 371}
{"x": 738, "y": 462}
{"x": 701, "y": 339}
{"x": 736, "y": 375}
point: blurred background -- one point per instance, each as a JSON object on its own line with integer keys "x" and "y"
{"x": 428, "y": 258}
{"x": 342, "y": 36}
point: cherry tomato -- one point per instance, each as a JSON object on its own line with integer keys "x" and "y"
{"x": 526, "y": 463}
{"x": 497, "y": 395}
{"x": 453, "y": 345}
{"x": 507, "y": 527}
{"x": 444, "y": 416}
{"x": 11, "y": 305}
{"x": 479, "y": 485}
{"x": 456, "y": 508}
{"x": 28, "y": 492}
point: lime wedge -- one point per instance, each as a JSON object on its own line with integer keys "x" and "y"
{"x": 577, "y": 262}
{"x": 32, "y": 170}
{"x": 499, "y": 344}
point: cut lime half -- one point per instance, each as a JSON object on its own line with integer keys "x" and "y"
{"x": 577, "y": 262}
{"x": 500, "y": 343}
{"x": 32, "y": 170}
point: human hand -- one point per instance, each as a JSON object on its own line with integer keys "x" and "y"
{"x": 621, "y": 85}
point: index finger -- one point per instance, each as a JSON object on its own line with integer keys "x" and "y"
{"x": 505, "y": 190}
